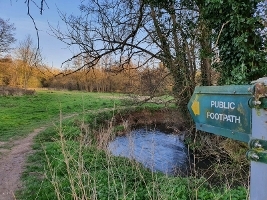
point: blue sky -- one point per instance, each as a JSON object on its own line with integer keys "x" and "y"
{"x": 53, "y": 51}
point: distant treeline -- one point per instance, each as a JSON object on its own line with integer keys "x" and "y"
{"x": 129, "y": 79}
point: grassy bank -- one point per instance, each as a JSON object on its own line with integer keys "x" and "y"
{"x": 71, "y": 160}
{"x": 71, "y": 163}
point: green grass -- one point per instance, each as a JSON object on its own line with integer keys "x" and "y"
{"x": 70, "y": 160}
{"x": 21, "y": 114}
{"x": 65, "y": 168}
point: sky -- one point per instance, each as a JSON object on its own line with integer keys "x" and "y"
{"x": 53, "y": 51}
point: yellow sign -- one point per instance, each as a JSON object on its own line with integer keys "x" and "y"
{"x": 195, "y": 108}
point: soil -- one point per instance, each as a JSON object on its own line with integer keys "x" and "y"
{"x": 12, "y": 162}
{"x": 13, "y": 154}
{"x": 165, "y": 120}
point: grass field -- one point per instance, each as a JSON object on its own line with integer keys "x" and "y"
{"x": 71, "y": 161}
{"x": 19, "y": 115}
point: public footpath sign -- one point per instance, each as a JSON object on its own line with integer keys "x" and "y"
{"x": 238, "y": 112}
{"x": 223, "y": 110}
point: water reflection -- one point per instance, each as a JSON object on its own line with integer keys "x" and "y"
{"x": 154, "y": 149}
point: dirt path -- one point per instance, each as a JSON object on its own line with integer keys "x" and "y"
{"x": 12, "y": 162}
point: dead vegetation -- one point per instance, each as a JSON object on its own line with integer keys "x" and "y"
{"x": 218, "y": 159}
{"x": 11, "y": 91}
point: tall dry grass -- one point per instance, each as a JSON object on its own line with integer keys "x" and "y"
{"x": 99, "y": 175}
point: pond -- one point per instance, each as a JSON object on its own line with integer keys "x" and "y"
{"x": 156, "y": 150}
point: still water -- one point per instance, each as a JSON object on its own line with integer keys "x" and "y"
{"x": 156, "y": 150}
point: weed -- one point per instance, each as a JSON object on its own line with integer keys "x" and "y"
{"x": 74, "y": 169}
{"x": 70, "y": 160}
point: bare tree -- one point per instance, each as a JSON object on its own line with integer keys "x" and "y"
{"x": 141, "y": 32}
{"x": 6, "y": 35}
{"x": 40, "y": 4}
{"x": 30, "y": 57}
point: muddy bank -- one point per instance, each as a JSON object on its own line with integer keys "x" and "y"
{"x": 216, "y": 158}
{"x": 167, "y": 120}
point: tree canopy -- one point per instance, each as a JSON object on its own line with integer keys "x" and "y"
{"x": 241, "y": 44}
{"x": 196, "y": 40}
{"x": 6, "y": 35}
{"x": 186, "y": 36}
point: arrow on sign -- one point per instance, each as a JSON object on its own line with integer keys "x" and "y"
{"x": 224, "y": 110}
{"x": 195, "y": 108}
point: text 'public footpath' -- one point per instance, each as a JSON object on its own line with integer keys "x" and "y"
{"x": 221, "y": 116}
